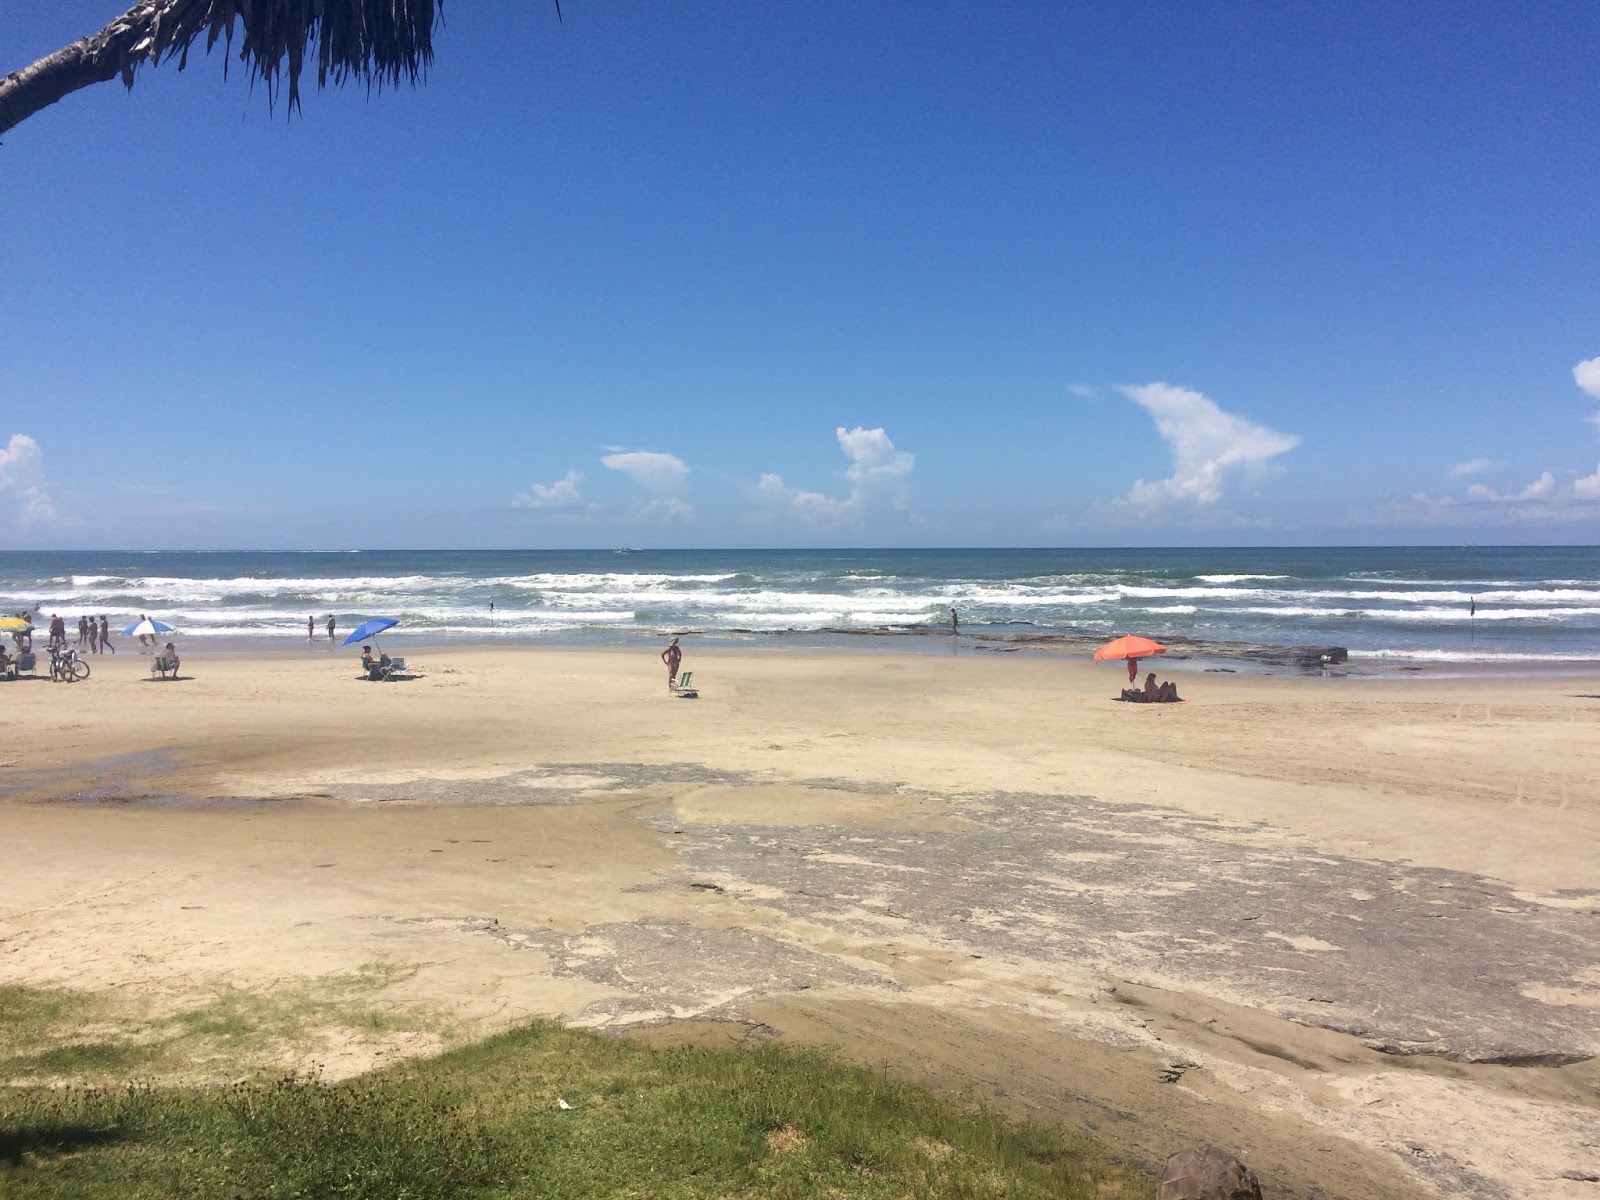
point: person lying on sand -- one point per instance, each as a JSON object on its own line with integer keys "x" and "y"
{"x": 1152, "y": 692}
{"x": 1163, "y": 693}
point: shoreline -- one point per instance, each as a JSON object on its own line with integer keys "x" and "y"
{"x": 1185, "y": 655}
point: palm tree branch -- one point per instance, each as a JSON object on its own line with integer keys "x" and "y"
{"x": 377, "y": 41}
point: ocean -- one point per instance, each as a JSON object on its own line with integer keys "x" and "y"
{"x": 1505, "y": 605}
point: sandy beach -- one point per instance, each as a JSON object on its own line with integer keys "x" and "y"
{"x": 1347, "y": 928}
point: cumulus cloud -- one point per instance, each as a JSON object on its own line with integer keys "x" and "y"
{"x": 560, "y": 495}
{"x": 1587, "y": 376}
{"x": 1206, "y": 443}
{"x": 22, "y": 479}
{"x": 875, "y": 466}
{"x": 650, "y": 469}
{"x": 1473, "y": 466}
{"x": 1542, "y": 488}
{"x": 872, "y": 455}
{"x": 669, "y": 508}
{"x": 1587, "y": 487}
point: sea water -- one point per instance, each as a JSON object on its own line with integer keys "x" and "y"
{"x": 1490, "y": 604}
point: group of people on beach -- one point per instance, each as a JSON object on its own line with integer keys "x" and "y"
{"x": 1152, "y": 692}
{"x": 93, "y": 632}
{"x": 97, "y": 636}
{"x": 311, "y": 627}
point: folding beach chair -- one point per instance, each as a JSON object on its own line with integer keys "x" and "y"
{"x": 684, "y": 688}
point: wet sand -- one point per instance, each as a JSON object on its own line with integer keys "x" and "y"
{"x": 1346, "y": 927}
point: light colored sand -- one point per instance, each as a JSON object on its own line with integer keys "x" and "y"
{"x": 521, "y": 829}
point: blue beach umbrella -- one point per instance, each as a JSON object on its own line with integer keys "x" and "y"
{"x": 371, "y": 628}
{"x": 145, "y": 627}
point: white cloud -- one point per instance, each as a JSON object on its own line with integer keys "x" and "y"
{"x": 1588, "y": 487}
{"x": 22, "y": 479}
{"x": 1587, "y": 376}
{"x": 1473, "y": 466}
{"x": 1540, "y": 489}
{"x": 872, "y": 455}
{"x": 562, "y": 494}
{"x": 669, "y": 508}
{"x": 874, "y": 465}
{"x": 1206, "y": 442}
{"x": 651, "y": 470}
{"x": 1082, "y": 391}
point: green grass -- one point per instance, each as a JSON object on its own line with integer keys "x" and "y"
{"x": 97, "y": 1038}
{"x": 485, "y": 1122}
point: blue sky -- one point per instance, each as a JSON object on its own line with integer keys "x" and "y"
{"x": 819, "y": 274}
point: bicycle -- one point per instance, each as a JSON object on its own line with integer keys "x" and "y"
{"x": 67, "y": 667}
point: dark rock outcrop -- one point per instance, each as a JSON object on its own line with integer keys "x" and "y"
{"x": 1204, "y": 1172}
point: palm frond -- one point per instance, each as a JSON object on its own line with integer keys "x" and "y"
{"x": 375, "y": 41}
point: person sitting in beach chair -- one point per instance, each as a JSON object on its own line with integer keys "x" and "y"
{"x": 165, "y": 664}
{"x": 8, "y": 665}
{"x": 375, "y": 668}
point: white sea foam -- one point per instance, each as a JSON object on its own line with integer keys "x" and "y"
{"x": 1237, "y": 578}
{"x": 1471, "y": 656}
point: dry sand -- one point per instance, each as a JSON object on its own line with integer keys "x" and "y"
{"x": 1345, "y": 927}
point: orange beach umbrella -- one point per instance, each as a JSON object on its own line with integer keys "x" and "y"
{"x": 1129, "y": 647}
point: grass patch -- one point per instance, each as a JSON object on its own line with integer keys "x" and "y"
{"x": 97, "y": 1038}
{"x": 487, "y": 1122}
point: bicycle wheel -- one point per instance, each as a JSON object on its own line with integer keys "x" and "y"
{"x": 80, "y": 669}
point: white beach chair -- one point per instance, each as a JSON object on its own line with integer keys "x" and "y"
{"x": 684, "y": 688}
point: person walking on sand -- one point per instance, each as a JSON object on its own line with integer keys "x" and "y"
{"x": 330, "y": 627}
{"x": 94, "y": 635}
{"x": 672, "y": 656}
{"x": 955, "y": 622}
{"x": 145, "y": 639}
{"x": 105, "y": 634}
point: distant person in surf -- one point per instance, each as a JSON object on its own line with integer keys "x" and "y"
{"x": 330, "y": 627}
{"x": 672, "y": 656}
{"x": 955, "y": 622}
{"x": 311, "y": 628}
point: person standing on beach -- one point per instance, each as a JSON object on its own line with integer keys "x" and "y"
{"x": 105, "y": 634}
{"x": 58, "y": 632}
{"x": 955, "y": 622}
{"x": 94, "y": 635}
{"x": 83, "y": 630}
{"x": 330, "y": 627}
{"x": 311, "y": 628}
{"x": 672, "y": 656}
